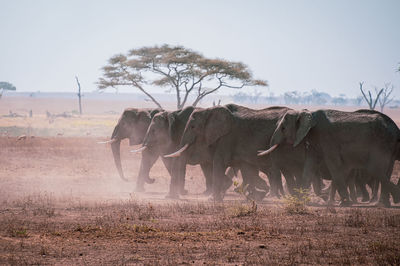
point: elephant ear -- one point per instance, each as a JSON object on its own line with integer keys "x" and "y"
{"x": 304, "y": 124}
{"x": 218, "y": 124}
{"x": 177, "y": 121}
{"x": 153, "y": 112}
{"x": 144, "y": 117}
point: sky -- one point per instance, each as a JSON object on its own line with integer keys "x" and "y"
{"x": 298, "y": 45}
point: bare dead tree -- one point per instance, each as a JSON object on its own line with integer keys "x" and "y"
{"x": 79, "y": 95}
{"x": 385, "y": 98}
{"x": 371, "y": 102}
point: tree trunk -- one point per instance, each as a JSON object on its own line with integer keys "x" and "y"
{"x": 79, "y": 95}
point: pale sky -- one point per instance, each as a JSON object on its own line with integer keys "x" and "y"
{"x": 295, "y": 45}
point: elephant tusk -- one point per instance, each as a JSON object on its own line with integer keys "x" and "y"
{"x": 139, "y": 150}
{"x": 108, "y": 141}
{"x": 178, "y": 152}
{"x": 262, "y": 153}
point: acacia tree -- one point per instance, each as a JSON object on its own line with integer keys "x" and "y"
{"x": 180, "y": 69}
{"x": 6, "y": 86}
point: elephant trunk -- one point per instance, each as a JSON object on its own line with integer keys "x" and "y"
{"x": 115, "y": 132}
{"x": 115, "y": 147}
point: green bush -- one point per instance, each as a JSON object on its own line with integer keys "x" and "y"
{"x": 297, "y": 203}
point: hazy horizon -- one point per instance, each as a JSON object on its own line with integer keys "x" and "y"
{"x": 295, "y": 45}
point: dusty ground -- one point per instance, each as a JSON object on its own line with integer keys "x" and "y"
{"x": 62, "y": 202}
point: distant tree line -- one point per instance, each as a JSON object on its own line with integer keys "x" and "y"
{"x": 381, "y": 96}
{"x": 312, "y": 97}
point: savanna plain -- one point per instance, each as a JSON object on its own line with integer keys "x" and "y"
{"x": 62, "y": 202}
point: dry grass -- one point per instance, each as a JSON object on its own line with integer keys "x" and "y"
{"x": 40, "y": 125}
{"x": 61, "y": 202}
{"x": 173, "y": 233}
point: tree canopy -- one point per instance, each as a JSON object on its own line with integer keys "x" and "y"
{"x": 180, "y": 69}
{"x": 7, "y": 86}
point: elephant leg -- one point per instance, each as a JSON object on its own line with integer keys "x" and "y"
{"x": 334, "y": 189}
{"x": 310, "y": 171}
{"x": 178, "y": 171}
{"x": 257, "y": 187}
{"x": 342, "y": 189}
{"x": 231, "y": 172}
{"x": 290, "y": 181}
{"x": 332, "y": 193}
{"x": 394, "y": 190}
{"x": 351, "y": 185}
{"x": 179, "y": 182}
{"x": 384, "y": 197}
{"x": 317, "y": 185}
{"x": 208, "y": 172}
{"x": 384, "y": 171}
{"x": 374, "y": 185}
{"x": 364, "y": 192}
{"x": 360, "y": 186}
{"x": 148, "y": 160}
{"x": 220, "y": 181}
{"x": 275, "y": 181}
{"x": 339, "y": 177}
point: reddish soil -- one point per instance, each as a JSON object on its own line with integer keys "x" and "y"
{"x": 62, "y": 202}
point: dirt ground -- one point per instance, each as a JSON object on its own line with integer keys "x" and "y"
{"x": 62, "y": 202}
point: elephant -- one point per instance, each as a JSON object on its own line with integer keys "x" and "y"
{"x": 133, "y": 125}
{"x": 163, "y": 137}
{"x": 231, "y": 135}
{"x": 344, "y": 141}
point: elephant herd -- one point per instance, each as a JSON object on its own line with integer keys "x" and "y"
{"x": 352, "y": 149}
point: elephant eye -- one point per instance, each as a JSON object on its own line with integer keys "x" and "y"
{"x": 192, "y": 126}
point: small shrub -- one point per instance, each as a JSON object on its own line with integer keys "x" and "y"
{"x": 241, "y": 210}
{"x": 297, "y": 203}
{"x": 21, "y": 232}
{"x": 144, "y": 228}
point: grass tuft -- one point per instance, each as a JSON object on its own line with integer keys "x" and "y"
{"x": 297, "y": 203}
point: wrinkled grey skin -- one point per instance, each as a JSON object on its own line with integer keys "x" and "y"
{"x": 163, "y": 137}
{"x": 164, "y": 134}
{"x": 231, "y": 135}
{"x": 133, "y": 125}
{"x": 344, "y": 141}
